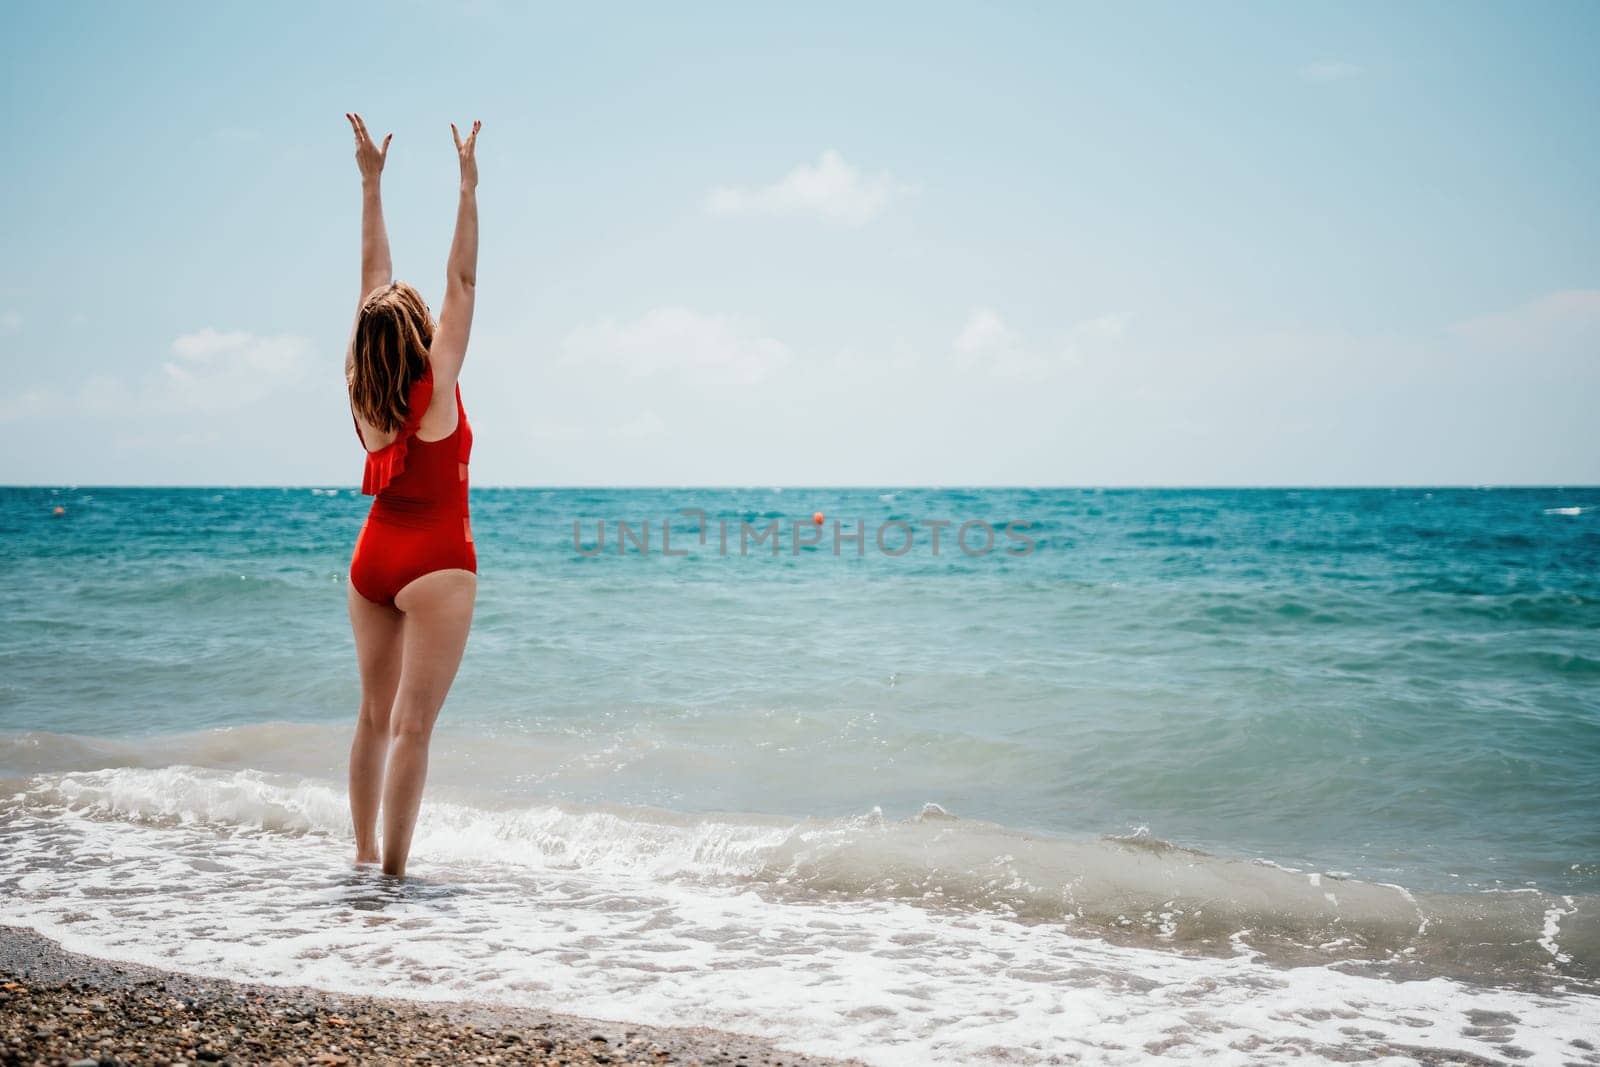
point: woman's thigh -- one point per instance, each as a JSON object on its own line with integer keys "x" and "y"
{"x": 378, "y": 630}
{"x": 438, "y": 614}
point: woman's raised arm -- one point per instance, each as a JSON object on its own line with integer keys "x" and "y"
{"x": 376, "y": 267}
{"x": 449, "y": 346}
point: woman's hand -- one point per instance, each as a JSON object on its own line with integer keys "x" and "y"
{"x": 468, "y": 151}
{"x": 369, "y": 157}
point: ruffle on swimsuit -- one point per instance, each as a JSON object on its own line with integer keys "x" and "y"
{"x": 389, "y": 462}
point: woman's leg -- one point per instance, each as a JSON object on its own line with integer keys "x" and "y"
{"x": 438, "y": 614}
{"x": 378, "y": 630}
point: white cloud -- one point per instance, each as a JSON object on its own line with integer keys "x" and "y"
{"x": 208, "y": 342}
{"x": 215, "y": 372}
{"x": 984, "y": 332}
{"x": 218, "y": 371}
{"x": 1571, "y": 317}
{"x": 831, "y": 189}
{"x": 986, "y": 341}
{"x": 1330, "y": 70}
{"x": 678, "y": 340}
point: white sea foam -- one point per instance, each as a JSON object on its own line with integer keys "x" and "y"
{"x": 627, "y": 915}
{"x": 1552, "y": 929}
{"x": 1422, "y": 916}
{"x": 1136, "y": 884}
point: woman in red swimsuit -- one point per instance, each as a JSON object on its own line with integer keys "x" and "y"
{"x": 413, "y": 577}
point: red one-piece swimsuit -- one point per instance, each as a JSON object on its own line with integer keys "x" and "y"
{"x": 419, "y": 521}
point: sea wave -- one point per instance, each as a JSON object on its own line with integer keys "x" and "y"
{"x": 1134, "y": 889}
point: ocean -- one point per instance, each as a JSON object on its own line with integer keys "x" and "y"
{"x": 1114, "y": 774}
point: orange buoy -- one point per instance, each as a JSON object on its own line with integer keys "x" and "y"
{"x": 59, "y": 510}
{"x": 817, "y": 518}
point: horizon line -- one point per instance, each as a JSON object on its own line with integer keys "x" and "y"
{"x": 687, "y": 487}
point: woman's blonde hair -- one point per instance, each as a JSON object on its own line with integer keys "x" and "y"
{"x": 388, "y": 353}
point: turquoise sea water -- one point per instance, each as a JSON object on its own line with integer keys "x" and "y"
{"x": 1364, "y": 719}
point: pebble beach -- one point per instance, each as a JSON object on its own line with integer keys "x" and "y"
{"x": 59, "y": 1007}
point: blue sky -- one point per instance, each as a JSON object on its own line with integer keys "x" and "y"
{"x": 840, "y": 244}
